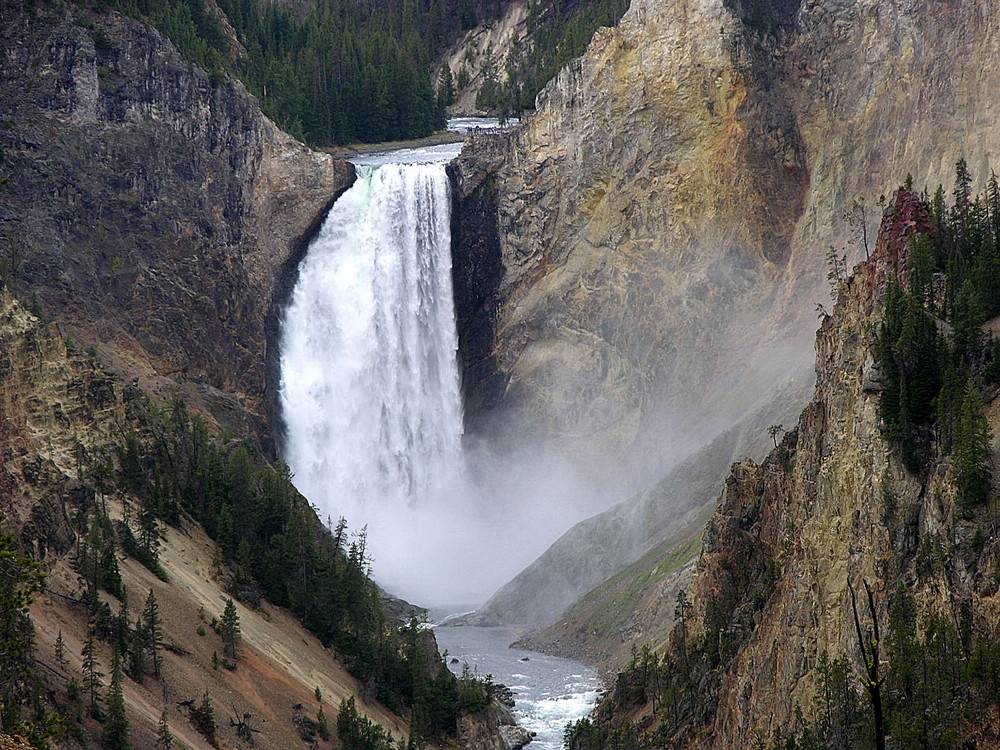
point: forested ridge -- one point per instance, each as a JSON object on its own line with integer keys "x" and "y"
{"x": 932, "y": 350}
{"x": 348, "y": 70}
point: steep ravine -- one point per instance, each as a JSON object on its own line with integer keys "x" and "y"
{"x": 152, "y": 220}
{"x": 62, "y": 414}
{"x": 834, "y": 505}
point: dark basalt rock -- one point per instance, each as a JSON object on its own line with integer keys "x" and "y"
{"x": 477, "y": 271}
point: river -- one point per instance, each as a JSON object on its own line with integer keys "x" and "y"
{"x": 549, "y": 692}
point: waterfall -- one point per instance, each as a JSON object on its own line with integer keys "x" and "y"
{"x": 370, "y": 390}
{"x": 372, "y": 406}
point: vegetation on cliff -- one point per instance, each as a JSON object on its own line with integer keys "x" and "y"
{"x": 931, "y": 349}
{"x": 558, "y": 32}
{"x": 343, "y": 72}
{"x": 138, "y": 476}
{"x": 21, "y": 704}
{"x": 277, "y": 548}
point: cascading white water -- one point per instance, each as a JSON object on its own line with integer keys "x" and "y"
{"x": 372, "y": 406}
{"x": 369, "y": 382}
{"x": 372, "y": 409}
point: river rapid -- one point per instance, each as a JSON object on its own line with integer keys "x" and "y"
{"x": 549, "y": 692}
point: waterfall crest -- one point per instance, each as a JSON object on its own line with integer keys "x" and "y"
{"x": 369, "y": 382}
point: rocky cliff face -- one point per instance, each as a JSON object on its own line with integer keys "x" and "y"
{"x": 150, "y": 209}
{"x": 664, "y": 214}
{"x": 51, "y": 402}
{"x": 833, "y": 505}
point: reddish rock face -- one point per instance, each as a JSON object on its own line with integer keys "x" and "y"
{"x": 908, "y": 216}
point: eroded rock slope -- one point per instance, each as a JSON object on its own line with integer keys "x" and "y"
{"x": 663, "y": 217}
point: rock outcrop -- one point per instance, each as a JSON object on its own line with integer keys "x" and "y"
{"x": 492, "y": 728}
{"x": 150, "y": 208}
{"x": 482, "y": 52}
{"x": 54, "y": 401}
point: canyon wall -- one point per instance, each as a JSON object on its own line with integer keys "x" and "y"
{"x": 484, "y": 51}
{"x": 833, "y": 505}
{"x": 151, "y": 209}
{"x": 769, "y": 605}
{"x": 663, "y": 217}
{"x": 663, "y": 221}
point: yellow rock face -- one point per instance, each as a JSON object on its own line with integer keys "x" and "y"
{"x": 831, "y": 507}
{"x": 665, "y": 214}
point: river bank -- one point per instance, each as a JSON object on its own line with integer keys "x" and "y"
{"x": 459, "y": 128}
{"x": 361, "y": 149}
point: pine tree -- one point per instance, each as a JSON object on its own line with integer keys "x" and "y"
{"x": 116, "y": 726}
{"x": 60, "y": 651}
{"x": 993, "y": 207}
{"x": 229, "y": 629}
{"x": 971, "y": 452}
{"x": 19, "y": 580}
{"x": 137, "y": 653}
{"x": 89, "y": 562}
{"x": 149, "y": 534}
{"x": 962, "y": 209}
{"x": 938, "y": 210}
{"x": 203, "y": 718}
{"x": 110, "y": 572}
{"x": 123, "y": 631}
{"x": 164, "y": 739}
{"x": 322, "y": 728}
{"x": 92, "y": 674}
{"x": 921, "y": 265}
{"x": 967, "y": 322}
{"x": 152, "y": 631}
{"x": 948, "y": 403}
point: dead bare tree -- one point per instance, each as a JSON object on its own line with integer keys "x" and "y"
{"x": 869, "y": 643}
